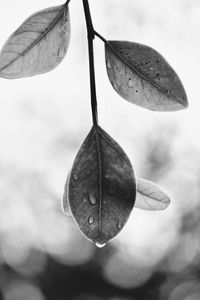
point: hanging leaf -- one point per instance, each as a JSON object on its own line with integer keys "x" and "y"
{"x": 142, "y": 76}
{"x": 65, "y": 198}
{"x": 150, "y": 197}
{"x": 101, "y": 187}
{"x": 38, "y": 45}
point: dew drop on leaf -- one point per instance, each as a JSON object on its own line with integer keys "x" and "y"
{"x": 119, "y": 225}
{"x": 64, "y": 28}
{"x": 130, "y": 83}
{"x": 91, "y": 220}
{"x": 115, "y": 86}
{"x": 93, "y": 200}
{"x": 109, "y": 64}
{"x": 100, "y": 245}
{"x": 75, "y": 176}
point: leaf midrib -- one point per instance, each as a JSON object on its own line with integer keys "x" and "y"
{"x": 98, "y": 148}
{"x": 147, "y": 196}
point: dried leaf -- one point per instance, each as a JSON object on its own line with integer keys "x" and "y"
{"x": 38, "y": 45}
{"x": 65, "y": 198}
{"x": 101, "y": 187}
{"x": 150, "y": 197}
{"x": 142, "y": 76}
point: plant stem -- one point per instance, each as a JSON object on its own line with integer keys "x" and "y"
{"x": 91, "y": 36}
{"x": 66, "y": 3}
{"x": 100, "y": 37}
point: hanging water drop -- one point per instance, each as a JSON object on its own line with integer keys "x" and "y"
{"x": 91, "y": 220}
{"x": 130, "y": 83}
{"x": 99, "y": 245}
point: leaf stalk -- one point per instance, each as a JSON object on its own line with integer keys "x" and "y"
{"x": 91, "y": 36}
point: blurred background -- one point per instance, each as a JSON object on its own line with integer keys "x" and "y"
{"x": 43, "y": 121}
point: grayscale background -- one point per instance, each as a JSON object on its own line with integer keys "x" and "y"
{"x": 43, "y": 121}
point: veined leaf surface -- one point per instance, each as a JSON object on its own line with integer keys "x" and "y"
{"x": 38, "y": 45}
{"x": 142, "y": 76}
{"x": 150, "y": 197}
{"x": 101, "y": 187}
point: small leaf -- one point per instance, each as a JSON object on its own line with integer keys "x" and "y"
{"x": 142, "y": 76}
{"x": 65, "y": 198}
{"x": 101, "y": 187}
{"x": 38, "y": 45}
{"x": 150, "y": 197}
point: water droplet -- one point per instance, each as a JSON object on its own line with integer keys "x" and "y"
{"x": 119, "y": 226}
{"x": 109, "y": 64}
{"x": 99, "y": 245}
{"x": 151, "y": 69}
{"x": 130, "y": 83}
{"x": 84, "y": 200}
{"x": 61, "y": 51}
{"x": 93, "y": 200}
{"x": 91, "y": 220}
{"x": 75, "y": 176}
{"x": 64, "y": 28}
{"x": 115, "y": 86}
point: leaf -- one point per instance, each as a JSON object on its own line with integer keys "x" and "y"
{"x": 150, "y": 197}
{"x": 142, "y": 76}
{"x": 101, "y": 187}
{"x": 38, "y": 45}
{"x": 65, "y": 198}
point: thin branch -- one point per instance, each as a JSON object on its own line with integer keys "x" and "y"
{"x": 67, "y": 2}
{"x": 91, "y": 36}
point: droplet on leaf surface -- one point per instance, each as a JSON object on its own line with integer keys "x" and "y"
{"x": 75, "y": 176}
{"x": 101, "y": 164}
{"x": 109, "y": 64}
{"x": 119, "y": 225}
{"x": 91, "y": 220}
{"x": 130, "y": 83}
{"x": 92, "y": 199}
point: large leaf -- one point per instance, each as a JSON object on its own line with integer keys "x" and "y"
{"x": 142, "y": 76}
{"x": 101, "y": 187}
{"x": 150, "y": 197}
{"x": 38, "y": 45}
